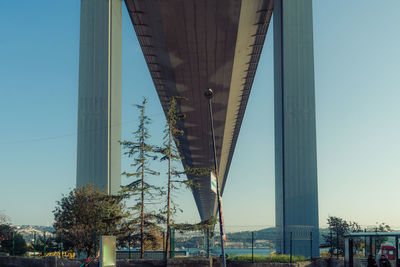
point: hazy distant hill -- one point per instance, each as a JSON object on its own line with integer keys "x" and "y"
{"x": 267, "y": 233}
{"x": 244, "y": 236}
{"x": 28, "y": 231}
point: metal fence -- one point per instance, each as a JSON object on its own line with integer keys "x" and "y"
{"x": 152, "y": 254}
{"x": 296, "y": 240}
{"x": 240, "y": 240}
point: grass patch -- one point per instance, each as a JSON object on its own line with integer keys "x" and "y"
{"x": 262, "y": 258}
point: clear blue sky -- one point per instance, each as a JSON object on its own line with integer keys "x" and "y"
{"x": 357, "y": 75}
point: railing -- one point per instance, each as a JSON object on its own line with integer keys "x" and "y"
{"x": 159, "y": 254}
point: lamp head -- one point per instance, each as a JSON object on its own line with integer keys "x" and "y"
{"x": 208, "y": 93}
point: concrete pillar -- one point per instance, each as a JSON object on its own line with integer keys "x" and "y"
{"x": 295, "y": 135}
{"x": 99, "y": 108}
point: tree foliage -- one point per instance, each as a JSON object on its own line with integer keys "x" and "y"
{"x": 169, "y": 153}
{"x": 142, "y": 192}
{"x": 379, "y": 228}
{"x": 85, "y": 214}
{"x": 339, "y": 227}
{"x": 4, "y": 227}
{"x": 131, "y": 237}
{"x": 48, "y": 243}
{"x": 4, "y": 218}
{"x": 7, "y": 235}
{"x": 202, "y": 226}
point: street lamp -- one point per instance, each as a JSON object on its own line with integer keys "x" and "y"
{"x": 208, "y": 93}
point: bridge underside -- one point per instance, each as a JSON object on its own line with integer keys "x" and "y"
{"x": 190, "y": 45}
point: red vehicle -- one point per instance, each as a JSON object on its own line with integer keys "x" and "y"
{"x": 389, "y": 252}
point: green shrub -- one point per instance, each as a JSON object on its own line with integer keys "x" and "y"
{"x": 262, "y": 258}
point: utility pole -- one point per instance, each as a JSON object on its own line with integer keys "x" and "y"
{"x": 13, "y": 243}
{"x": 44, "y": 241}
{"x": 61, "y": 245}
{"x": 337, "y": 242}
{"x": 311, "y": 245}
{"x": 209, "y": 94}
{"x": 129, "y": 244}
{"x": 34, "y": 244}
{"x": 365, "y": 243}
{"x": 252, "y": 246}
{"x": 331, "y": 252}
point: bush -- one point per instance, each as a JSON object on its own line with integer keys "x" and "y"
{"x": 262, "y": 258}
{"x": 20, "y": 247}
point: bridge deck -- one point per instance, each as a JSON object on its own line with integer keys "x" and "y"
{"x": 190, "y": 45}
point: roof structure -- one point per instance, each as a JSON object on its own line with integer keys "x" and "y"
{"x": 190, "y": 45}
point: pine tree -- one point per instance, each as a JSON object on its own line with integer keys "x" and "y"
{"x": 139, "y": 188}
{"x": 170, "y": 153}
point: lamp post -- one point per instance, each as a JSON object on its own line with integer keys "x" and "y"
{"x": 208, "y": 93}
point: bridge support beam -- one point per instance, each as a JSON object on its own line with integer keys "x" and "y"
{"x": 99, "y": 108}
{"x": 295, "y": 133}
